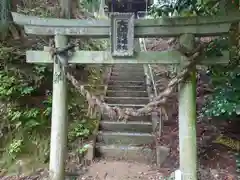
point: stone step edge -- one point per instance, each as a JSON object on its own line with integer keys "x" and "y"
{"x": 128, "y": 105}
{"x": 125, "y": 86}
{"x": 123, "y": 81}
{"x": 155, "y": 155}
{"x": 125, "y": 134}
{"x": 118, "y": 91}
{"x": 147, "y": 116}
{"x": 115, "y": 75}
{"x": 126, "y": 97}
{"x": 105, "y": 113}
{"x": 128, "y": 122}
{"x": 122, "y": 147}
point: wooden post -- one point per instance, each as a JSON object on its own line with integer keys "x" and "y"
{"x": 187, "y": 119}
{"x": 59, "y": 126}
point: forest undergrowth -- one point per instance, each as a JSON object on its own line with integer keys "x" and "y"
{"x": 26, "y": 95}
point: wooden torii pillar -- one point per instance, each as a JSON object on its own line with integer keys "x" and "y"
{"x": 186, "y": 28}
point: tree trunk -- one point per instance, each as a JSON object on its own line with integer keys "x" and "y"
{"x": 6, "y": 24}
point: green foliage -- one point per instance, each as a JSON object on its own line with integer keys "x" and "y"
{"x": 188, "y": 7}
{"x": 15, "y": 90}
{"x": 39, "y": 8}
{"x": 167, "y": 8}
{"x": 224, "y": 102}
{"x": 157, "y": 10}
{"x": 28, "y": 121}
{"x": 28, "y": 111}
{"x": 25, "y": 93}
{"x": 14, "y": 148}
{"x": 81, "y": 129}
{"x": 90, "y": 5}
{"x": 25, "y": 89}
{"x": 82, "y": 150}
{"x": 12, "y": 87}
{"x": 216, "y": 46}
{"x": 29, "y": 108}
{"x": 208, "y": 7}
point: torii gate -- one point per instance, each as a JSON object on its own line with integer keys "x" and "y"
{"x": 184, "y": 27}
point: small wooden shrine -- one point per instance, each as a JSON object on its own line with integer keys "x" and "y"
{"x": 128, "y": 5}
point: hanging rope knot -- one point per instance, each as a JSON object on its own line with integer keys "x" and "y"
{"x": 189, "y": 53}
{"x": 62, "y": 55}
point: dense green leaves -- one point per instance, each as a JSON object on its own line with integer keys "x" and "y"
{"x": 185, "y": 7}
{"x": 216, "y": 46}
{"x": 225, "y": 100}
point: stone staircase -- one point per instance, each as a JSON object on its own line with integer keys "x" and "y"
{"x": 120, "y": 140}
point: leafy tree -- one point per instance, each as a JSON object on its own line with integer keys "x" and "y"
{"x": 225, "y": 101}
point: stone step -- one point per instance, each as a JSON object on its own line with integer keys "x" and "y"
{"x": 127, "y": 69}
{"x": 127, "y": 93}
{"x": 134, "y": 106}
{"x": 126, "y": 100}
{"x": 129, "y": 153}
{"x": 127, "y": 77}
{"x": 127, "y": 73}
{"x": 132, "y": 118}
{"x": 126, "y": 88}
{"x": 125, "y": 138}
{"x": 130, "y": 126}
{"x": 126, "y": 83}
{"x": 128, "y": 66}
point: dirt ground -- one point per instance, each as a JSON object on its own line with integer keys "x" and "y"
{"x": 120, "y": 170}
